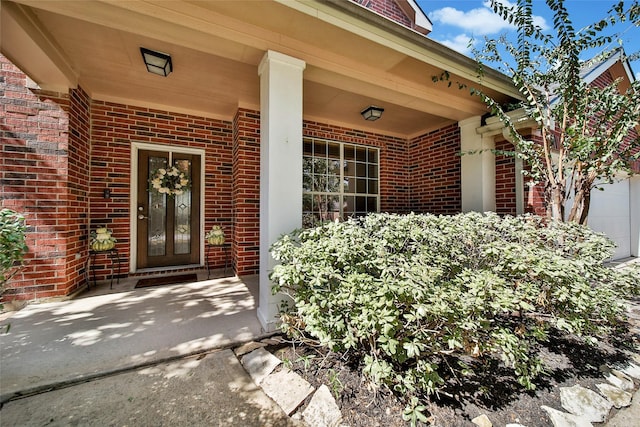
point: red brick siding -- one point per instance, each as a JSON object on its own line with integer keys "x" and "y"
{"x": 435, "y": 168}
{"x": 33, "y": 180}
{"x": 78, "y": 200}
{"x": 246, "y": 191}
{"x": 606, "y": 79}
{"x": 389, "y": 9}
{"x": 505, "y": 180}
{"x": 394, "y": 177}
{"x": 116, "y": 127}
{"x": 534, "y": 197}
{"x": 633, "y": 135}
{"x": 111, "y": 168}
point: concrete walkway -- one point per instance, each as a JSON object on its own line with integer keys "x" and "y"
{"x": 209, "y": 390}
{"x": 57, "y": 343}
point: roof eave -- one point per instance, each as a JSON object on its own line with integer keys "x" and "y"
{"x": 426, "y": 49}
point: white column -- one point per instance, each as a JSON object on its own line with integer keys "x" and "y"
{"x": 478, "y": 169}
{"x": 280, "y": 165}
{"x": 634, "y": 212}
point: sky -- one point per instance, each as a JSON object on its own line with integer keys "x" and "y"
{"x": 455, "y": 22}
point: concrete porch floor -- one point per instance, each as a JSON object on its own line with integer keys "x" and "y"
{"x": 125, "y": 284}
{"x": 106, "y": 330}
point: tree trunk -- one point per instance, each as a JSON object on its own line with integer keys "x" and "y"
{"x": 582, "y": 201}
{"x": 556, "y": 202}
{"x": 586, "y": 204}
{"x": 578, "y": 206}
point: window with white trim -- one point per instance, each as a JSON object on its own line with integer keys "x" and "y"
{"x": 340, "y": 180}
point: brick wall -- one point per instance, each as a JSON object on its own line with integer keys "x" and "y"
{"x": 606, "y": 79}
{"x": 389, "y": 9}
{"x": 505, "y": 180}
{"x": 534, "y": 197}
{"x": 246, "y": 191}
{"x": 78, "y": 186}
{"x": 633, "y": 135}
{"x": 33, "y": 180}
{"x": 435, "y": 168}
{"x": 534, "y": 202}
{"x": 394, "y": 177}
{"x": 116, "y": 127}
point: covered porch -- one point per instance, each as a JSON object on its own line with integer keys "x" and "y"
{"x": 254, "y": 88}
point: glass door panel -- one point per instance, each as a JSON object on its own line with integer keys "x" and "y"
{"x": 168, "y": 224}
{"x": 182, "y": 209}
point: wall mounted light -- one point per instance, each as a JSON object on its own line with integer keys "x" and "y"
{"x": 157, "y": 62}
{"x": 372, "y": 113}
{"x": 106, "y": 193}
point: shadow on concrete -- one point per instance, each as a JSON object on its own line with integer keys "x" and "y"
{"x": 71, "y": 341}
{"x": 205, "y": 390}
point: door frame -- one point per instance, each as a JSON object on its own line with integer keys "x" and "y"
{"x": 133, "y": 202}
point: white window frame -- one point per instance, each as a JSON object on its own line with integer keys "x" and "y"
{"x": 342, "y": 192}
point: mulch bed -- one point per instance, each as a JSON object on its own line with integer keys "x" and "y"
{"x": 493, "y": 390}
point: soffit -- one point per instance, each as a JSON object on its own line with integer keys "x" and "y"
{"x": 110, "y": 67}
{"x": 345, "y": 108}
{"x": 618, "y": 71}
{"x": 216, "y": 47}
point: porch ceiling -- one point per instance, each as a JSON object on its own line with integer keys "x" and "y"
{"x": 216, "y": 47}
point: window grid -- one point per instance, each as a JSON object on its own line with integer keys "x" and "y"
{"x": 340, "y": 180}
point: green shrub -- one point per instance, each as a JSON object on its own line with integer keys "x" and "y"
{"x": 402, "y": 292}
{"x": 12, "y": 245}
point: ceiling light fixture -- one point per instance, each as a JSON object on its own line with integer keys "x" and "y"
{"x": 157, "y": 62}
{"x": 372, "y": 113}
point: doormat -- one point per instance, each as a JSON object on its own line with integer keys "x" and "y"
{"x": 166, "y": 280}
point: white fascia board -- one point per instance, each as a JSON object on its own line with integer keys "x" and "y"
{"x": 604, "y": 66}
{"x": 627, "y": 69}
{"x": 601, "y": 68}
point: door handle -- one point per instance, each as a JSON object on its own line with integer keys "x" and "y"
{"x": 141, "y": 215}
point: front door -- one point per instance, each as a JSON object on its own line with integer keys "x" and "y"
{"x": 168, "y": 206}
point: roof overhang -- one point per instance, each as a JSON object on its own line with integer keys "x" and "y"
{"x": 354, "y": 58}
{"x": 616, "y": 62}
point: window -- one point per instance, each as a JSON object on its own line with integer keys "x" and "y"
{"x": 339, "y": 181}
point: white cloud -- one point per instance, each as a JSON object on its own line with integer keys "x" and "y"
{"x": 478, "y": 21}
{"x": 459, "y": 43}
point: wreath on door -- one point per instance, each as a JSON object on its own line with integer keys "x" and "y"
{"x": 170, "y": 181}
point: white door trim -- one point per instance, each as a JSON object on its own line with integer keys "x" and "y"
{"x": 133, "y": 192}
